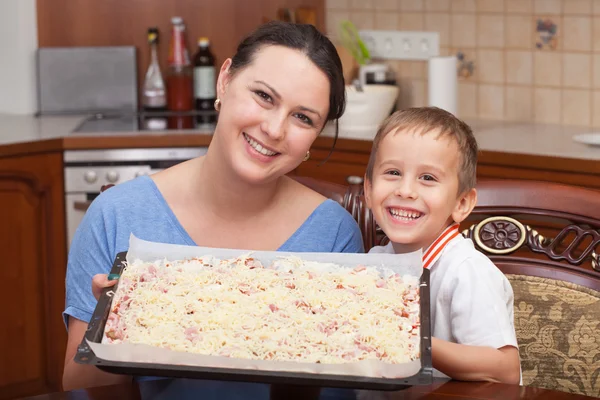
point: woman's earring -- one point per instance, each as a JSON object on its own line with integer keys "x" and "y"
{"x": 307, "y": 156}
{"x": 217, "y": 104}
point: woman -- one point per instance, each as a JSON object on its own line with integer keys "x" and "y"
{"x": 274, "y": 98}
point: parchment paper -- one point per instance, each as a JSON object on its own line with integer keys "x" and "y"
{"x": 406, "y": 264}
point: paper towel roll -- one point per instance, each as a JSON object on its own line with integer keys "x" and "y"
{"x": 443, "y": 83}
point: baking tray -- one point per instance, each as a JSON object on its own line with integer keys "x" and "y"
{"x": 95, "y": 331}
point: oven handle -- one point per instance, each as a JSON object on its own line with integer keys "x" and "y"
{"x": 81, "y": 205}
{"x": 84, "y": 205}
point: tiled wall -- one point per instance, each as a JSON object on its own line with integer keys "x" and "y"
{"x": 513, "y": 78}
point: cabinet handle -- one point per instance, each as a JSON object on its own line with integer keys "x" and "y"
{"x": 81, "y": 205}
{"x": 354, "y": 180}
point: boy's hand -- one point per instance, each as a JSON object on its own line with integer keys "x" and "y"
{"x": 99, "y": 282}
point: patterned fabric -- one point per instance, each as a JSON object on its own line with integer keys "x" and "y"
{"x": 558, "y": 334}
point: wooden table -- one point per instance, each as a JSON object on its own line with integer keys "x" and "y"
{"x": 440, "y": 390}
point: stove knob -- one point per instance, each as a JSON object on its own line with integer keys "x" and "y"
{"x": 112, "y": 176}
{"x": 140, "y": 173}
{"x": 90, "y": 176}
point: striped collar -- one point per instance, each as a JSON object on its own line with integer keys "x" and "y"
{"x": 433, "y": 252}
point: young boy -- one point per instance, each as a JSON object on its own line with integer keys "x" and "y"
{"x": 420, "y": 184}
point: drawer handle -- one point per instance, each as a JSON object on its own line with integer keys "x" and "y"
{"x": 354, "y": 180}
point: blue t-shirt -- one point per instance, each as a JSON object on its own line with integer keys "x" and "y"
{"x": 138, "y": 207}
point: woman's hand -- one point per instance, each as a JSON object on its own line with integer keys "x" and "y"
{"x": 99, "y": 282}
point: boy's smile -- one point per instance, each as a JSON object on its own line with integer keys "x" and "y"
{"x": 414, "y": 191}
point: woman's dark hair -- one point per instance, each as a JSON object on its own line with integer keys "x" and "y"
{"x": 306, "y": 38}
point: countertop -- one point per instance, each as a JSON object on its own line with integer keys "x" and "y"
{"x": 20, "y": 134}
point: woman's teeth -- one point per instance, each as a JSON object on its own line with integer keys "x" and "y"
{"x": 256, "y": 146}
{"x": 405, "y": 215}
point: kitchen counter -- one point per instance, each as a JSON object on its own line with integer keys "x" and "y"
{"x": 28, "y": 134}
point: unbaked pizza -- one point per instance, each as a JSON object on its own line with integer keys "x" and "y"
{"x": 290, "y": 310}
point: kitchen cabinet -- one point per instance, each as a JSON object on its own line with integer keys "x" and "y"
{"x": 32, "y": 240}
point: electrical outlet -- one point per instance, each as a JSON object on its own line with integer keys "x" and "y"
{"x": 401, "y": 45}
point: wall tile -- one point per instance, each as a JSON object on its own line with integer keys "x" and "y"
{"x": 546, "y": 105}
{"x": 518, "y": 32}
{"x": 596, "y": 34}
{"x": 519, "y": 6}
{"x": 577, "y": 7}
{"x": 577, "y": 33}
{"x": 463, "y": 30}
{"x": 467, "y": 100}
{"x": 363, "y": 19}
{"x": 490, "y": 99}
{"x": 491, "y": 66}
{"x": 576, "y": 107}
{"x": 596, "y": 108}
{"x": 490, "y": 31}
{"x": 596, "y": 71}
{"x": 460, "y": 6}
{"x": 389, "y": 5}
{"x": 547, "y": 7}
{"x": 490, "y": 6}
{"x": 337, "y": 4}
{"x": 386, "y": 20}
{"x": 333, "y": 18}
{"x": 411, "y": 21}
{"x": 519, "y": 67}
{"x": 412, "y": 5}
{"x": 577, "y": 70}
{"x": 596, "y": 7}
{"x": 439, "y": 22}
{"x": 437, "y": 5}
{"x": 556, "y": 41}
{"x": 362, "y": 4}
{"x": 547, "y": 68}
{"x": 518, "y": 102}
{"x": 413, "y": 93}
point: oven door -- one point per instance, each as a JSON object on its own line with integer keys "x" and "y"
{"x": 76, "y": 205}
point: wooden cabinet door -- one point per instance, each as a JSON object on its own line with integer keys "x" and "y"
{"x": 32, "y": 244}
{"x": 341, "y": 165}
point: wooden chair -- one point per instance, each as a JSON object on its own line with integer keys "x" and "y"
{"x": 544, "y": 237}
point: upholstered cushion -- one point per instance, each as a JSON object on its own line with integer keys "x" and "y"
{"x": 558, "y": 334}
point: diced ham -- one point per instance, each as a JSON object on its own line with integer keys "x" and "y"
{"x": 365, "y": 347}
{"x": 401, "y": 313}
{"x": 311, "y": 275}
{"x": 273, "y": 307}
{"x": 192, "y": 334}
{"x": 359, "y": 268}
{"x": 380, "y": 283}
{"x": 290, "y": 285}
{"x": 246, "y": 289}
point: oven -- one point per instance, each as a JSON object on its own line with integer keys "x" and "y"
{"x": 86, "y": 171}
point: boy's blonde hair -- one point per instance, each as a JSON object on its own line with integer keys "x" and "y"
{"x": 423, "y": 120}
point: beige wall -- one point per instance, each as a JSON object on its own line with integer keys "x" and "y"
{"x": 513, "y": 79}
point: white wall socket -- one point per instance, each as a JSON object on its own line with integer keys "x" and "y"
{"x": 401, "y": 45}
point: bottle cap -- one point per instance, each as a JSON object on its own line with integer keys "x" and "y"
{"x": 153, "y": 35}
{"x": 203, "y": 41}
{"x": 176, "y": 20}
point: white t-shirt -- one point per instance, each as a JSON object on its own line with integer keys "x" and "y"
{"x": 471, "y": 299}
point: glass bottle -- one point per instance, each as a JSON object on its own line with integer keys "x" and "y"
{"x": 154, "y": 95}
{"x": 179, "y": 78}
{"x": 204, "y": 82}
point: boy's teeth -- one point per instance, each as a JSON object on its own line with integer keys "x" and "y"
{"x": 256, "y": 146}
{"x": 405, "y": 214}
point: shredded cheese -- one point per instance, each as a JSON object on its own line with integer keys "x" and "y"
{"x": 290, "y": 311}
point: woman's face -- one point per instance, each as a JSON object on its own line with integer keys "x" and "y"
{"x": 271, "y": 112}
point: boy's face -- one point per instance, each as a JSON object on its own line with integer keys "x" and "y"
{"x": 414, "y": 191}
